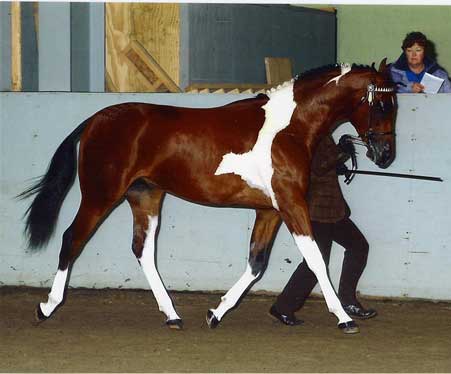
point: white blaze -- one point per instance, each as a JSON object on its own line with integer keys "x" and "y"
{"x": 315, "y": 262}
{"x": 147, "y": 262}
{"x": 56, "y": 293}
{"x": 255, "y": 166}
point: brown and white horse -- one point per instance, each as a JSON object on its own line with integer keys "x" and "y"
{"x": 253, "y": 153}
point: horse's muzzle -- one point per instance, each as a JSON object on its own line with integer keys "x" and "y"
{"x": 382, "y": 154}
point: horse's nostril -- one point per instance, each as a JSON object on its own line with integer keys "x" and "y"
{"x": 370, "y": 154}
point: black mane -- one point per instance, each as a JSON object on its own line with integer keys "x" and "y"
{"x": 329, "y": 67}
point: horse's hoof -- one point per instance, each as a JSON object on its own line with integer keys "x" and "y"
{"x": 349, "y": 327}
{"x": 176, "y": 324}
{"x": 212, "y": 321}
{"x": 38, "y": 315}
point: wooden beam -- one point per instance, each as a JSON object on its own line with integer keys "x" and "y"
{"x": 16, "y": 47}
{"x": 227, "y": 87}
{"x": 157, "y": 27}
{"x": 159, "y": 80}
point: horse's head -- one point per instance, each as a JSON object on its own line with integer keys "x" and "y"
{"x": 374, "y": 115}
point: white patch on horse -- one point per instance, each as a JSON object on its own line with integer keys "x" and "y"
{"x": 315, "y": 262}
{"x": 56, "y": 293}
{"x": 345, "y": 69}
{"x": 230, "y": 299}
{"x": 147, "y": 262}
{"x": 255, "y": 166}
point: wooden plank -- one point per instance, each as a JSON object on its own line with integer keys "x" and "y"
{"x": 117, "y": 36}
{"x": 157, "y": 27}
{"x": 151, "y": 70}
{"x": 16, "y": 46}
{"x": 278, "y": 70}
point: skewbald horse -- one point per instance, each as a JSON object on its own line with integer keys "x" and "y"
{"x": 253, "y": 153}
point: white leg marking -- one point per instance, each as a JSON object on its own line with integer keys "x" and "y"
{"x": 230, "y": 299}
{"x": 315, "y": 262}
{"x": 56, "y": 293}
{"x": 255, "y": 166}
{"x": 147, "y": 262}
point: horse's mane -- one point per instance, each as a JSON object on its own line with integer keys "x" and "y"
{"x": 315, "y": 72}
{"x": 311, "y": 73}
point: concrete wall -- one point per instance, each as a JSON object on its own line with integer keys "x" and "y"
{"x": 367, "y": 33}
{"x": 202, "y": 248}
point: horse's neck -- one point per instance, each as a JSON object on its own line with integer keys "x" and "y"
{"x": 321, "y": 111}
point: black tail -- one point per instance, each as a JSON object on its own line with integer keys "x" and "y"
{"x": 42, "y": 214}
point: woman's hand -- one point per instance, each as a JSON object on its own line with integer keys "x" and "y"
{"x": 417, "y": 87}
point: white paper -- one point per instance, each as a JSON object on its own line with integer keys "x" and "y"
{"x": 431, "y": 83}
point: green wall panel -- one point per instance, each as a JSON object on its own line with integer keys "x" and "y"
{"x": 367, "y": 33}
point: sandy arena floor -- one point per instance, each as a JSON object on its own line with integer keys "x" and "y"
{"x": 123, "y": 331}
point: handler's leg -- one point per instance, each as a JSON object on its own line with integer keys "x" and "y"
{"x": 266, "y": 224}
{"x": 303, "y": 280}
{"x": 146, "y": 203}
{"x": 347, "y": 234}
{"x": 295, "y": 215}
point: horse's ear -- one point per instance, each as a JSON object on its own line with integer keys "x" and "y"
{"x": 373, "y": 66}
{"x": 383, "y": 65}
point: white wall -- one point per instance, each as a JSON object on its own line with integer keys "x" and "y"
{"x": 406, "y": 222}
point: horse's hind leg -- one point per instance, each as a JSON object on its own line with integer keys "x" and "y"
{"x": 91, "y": 212}
{"x": 266, "y": 225}
{"x": 146, "y": 205}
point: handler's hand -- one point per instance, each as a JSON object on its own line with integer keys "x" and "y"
{"x": 417, "y": 87}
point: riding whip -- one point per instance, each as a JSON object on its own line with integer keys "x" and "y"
{"x": 396, "y": 175}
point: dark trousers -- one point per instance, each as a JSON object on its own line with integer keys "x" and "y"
{"x": 303, "y": 280}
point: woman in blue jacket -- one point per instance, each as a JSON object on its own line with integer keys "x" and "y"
{"x": 408, "y": 71}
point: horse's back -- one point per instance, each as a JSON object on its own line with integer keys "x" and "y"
{"x": 176, "y": 148}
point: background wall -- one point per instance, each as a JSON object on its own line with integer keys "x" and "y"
{"x": 405, "y": 221}
{"x": 228, "y": 42}
{"x": 368, "y": 33}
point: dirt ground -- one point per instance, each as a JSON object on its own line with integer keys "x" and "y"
{"x": 123, "y": 331}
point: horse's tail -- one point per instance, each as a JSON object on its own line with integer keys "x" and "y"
{"x": 51, "y": 189}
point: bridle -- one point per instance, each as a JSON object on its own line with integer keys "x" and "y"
{"x": 369, "y": 134}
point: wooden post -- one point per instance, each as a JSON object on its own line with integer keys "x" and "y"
{"x": 278, "y": 70}
{"x": 16, "y": 47}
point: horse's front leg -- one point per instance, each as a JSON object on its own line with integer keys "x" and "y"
{"x": 295, "y": 214}
{"x": 267, "y": 222}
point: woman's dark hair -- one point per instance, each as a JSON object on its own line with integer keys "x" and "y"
{"x": 414, "y": 37}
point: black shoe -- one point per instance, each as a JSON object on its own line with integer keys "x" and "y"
{"x": 289, "y": 320}
{"x": 358, "y": 311}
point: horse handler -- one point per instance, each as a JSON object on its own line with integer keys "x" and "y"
{"x": 329, "y": 215}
